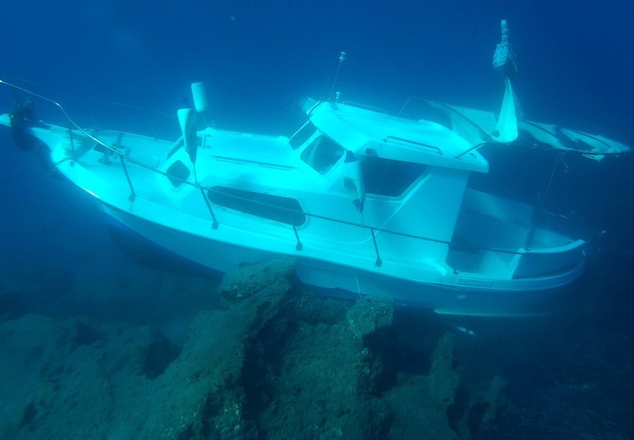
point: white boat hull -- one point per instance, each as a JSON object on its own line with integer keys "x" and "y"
{"x": 367, "y": 204}
{"x": 467, "y": 296}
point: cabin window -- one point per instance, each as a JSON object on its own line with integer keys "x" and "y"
{"x": 177, "y": 173}
{"x": 386, "y": 177}
{"x": 276, "y": 208}
{"x": 302, "y": 135}
{"x": 322, "y": 154}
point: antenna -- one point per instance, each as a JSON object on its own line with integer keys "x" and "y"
{"x": 342, "y": 58}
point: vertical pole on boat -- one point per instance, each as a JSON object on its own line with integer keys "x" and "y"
{"x": 453, "y": 261}
{"x": 378, "y": 261}
{"x": 342, "y": 58}
{"x": 214, "y": 224}
{"x": 116, "y": 148}
{"x": 132, "y": 196}
{"x": 72, "y": 142}
{"x": 299, "y": 246}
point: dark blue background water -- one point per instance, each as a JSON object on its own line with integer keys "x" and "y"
{"x": 258, "y": 57}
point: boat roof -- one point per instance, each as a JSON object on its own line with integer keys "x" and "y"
{"x": 476, "y": 127}
{"x": 368, "y": 132}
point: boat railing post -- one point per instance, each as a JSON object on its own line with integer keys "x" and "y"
{"x": 378, "y": 261}
{"x": 452, "y": 259}
{"x": 72, "y": 142}
{"x": 119, "y": 149}
{"x": 298, "y": 246}
{"x": 214, "y": 224}
{"x": 132, "y": 196}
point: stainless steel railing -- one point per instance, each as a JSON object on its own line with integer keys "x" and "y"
{"x": 75, "y": 130}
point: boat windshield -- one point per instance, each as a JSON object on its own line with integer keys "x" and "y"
{"x": 322, "y": 154}
{"x": 302, "y": 135}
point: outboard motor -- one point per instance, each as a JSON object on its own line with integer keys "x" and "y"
{"x": 22, "y": 119}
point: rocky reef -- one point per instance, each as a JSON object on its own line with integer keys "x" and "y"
{"x": 276, "y": 362}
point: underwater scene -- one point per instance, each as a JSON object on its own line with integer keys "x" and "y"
{"x": 277, "y": 219}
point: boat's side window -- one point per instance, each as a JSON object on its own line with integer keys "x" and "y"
{"x": 302, "y": 135}
{"x": 322, "y": 154}
{"x": 277, "y": 208}
{"x": 177, "y": 173}
{"x": 389, "y": 177}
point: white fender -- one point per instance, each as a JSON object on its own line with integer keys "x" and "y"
{"x": 200, "y": 97}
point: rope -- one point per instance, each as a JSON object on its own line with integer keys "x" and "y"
{"x": 529, "y": 238}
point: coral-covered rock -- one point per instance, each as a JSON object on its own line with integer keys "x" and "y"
{"x": 369, "y": 314}
{"x": 422, "y": 401}
{"x": 246, "y": 281}
{"x": 278, "y": 363}
{"x": 202, "y": 393}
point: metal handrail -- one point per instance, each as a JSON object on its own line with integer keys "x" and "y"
{"x": 299, "y": 245}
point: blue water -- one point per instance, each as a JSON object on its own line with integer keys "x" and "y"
{"x": 572, "y": 376}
